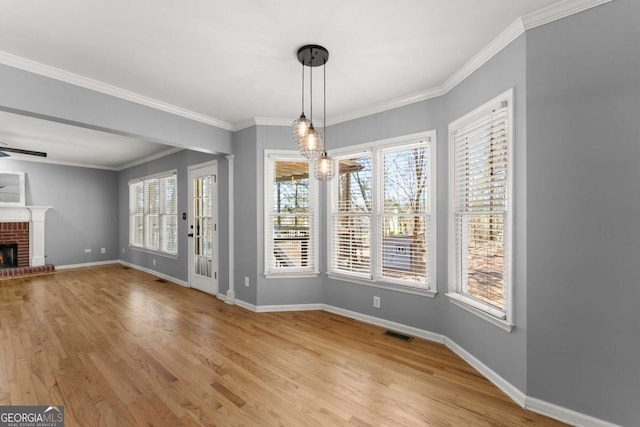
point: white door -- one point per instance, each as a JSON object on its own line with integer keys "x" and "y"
{"x": 203, "y": 227}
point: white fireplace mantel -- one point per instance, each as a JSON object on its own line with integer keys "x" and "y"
{"x": 34, "y": 215}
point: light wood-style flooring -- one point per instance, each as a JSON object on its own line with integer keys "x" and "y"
{"x": 116, "y": 346}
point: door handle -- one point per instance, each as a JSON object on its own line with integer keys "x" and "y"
{"x": 190, "y": 235}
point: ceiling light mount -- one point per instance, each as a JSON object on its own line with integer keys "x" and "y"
{"x": 313, "y": 55}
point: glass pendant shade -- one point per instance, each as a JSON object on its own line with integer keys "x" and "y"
{"x": 300, "y": 128}
{"x": 324, "y": 168}
{"x": 311, "y": 144}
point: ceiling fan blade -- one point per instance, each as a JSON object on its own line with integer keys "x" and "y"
{"x": 20, "y": 151}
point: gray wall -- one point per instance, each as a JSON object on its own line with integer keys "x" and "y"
{"x": 246, "y": 214}
{"x": 176, "y": 268}
{"x": 503, "y": 352}
{"x": 84, "y": 209}
{"x": 417, "y": 311}
{"x": 583, "y": 160}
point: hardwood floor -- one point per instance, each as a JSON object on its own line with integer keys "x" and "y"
{"x": 116, "y": 346}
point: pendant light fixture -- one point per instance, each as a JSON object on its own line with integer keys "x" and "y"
{"x": 309, "y": 139}
{"x": 324, "y": 163}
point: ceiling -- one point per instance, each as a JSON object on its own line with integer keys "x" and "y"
{"x": 235, "y": 61}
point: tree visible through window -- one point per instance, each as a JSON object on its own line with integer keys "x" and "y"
{"x": 481, "y": 207}
{"x": 290, "y": 215}
{"x": 381, "y": 215}
{"x": 153, "y": 213}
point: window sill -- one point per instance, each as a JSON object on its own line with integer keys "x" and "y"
{"x": 390, "y": 286}
{"x": 149, "y": 251}
{"x": 475, "y": 308}
{"x": 292, "y": 275}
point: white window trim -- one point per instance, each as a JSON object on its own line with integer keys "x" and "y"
{"x": 501, "y": 318}
{"x": 159, "y": 175}
{"x": 375, "y": 148}
{"x": 271, "y": 156}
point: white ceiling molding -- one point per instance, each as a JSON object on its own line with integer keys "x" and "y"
{"x": 49, "y": 161}
{"x": 519, "y": 26}
{"x": 516, "y": 29}
{"x": 558, "y": 11}
{"x": 380, "y": 108}
{"x": 107, "y": 89}
{"x": 159, "y": 155}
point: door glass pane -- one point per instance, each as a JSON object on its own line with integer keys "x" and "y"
{"x": 203, "y": 226}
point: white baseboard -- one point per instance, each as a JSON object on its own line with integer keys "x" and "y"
{"x": 535, "y": 405}
{"x": 504, "y": 385}
{"x": 290, "y": 307}
{"x": 155, "y": 273}
{"x": 86, "y": 264}
{"x": 431, "y": 336}
{"x": 246, "y": 305}
{"x": 565, "y": 415}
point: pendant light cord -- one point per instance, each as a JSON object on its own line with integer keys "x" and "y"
{"x": 311, "y": 81}
{"x": 302, "y": 87}
{"x": 324, "y": 105}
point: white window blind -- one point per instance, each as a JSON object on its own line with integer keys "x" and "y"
{"x": 154, "y": 213}
{"x": 404, "y": 222}
{"x": 169, "y": 215}
{"x": 481, "y": 207}
{"x": 351, "y": 217}
{"x": 136, "y": 203}
{"x": 290, "y": 215}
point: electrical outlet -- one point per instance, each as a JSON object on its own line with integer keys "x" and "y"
{"x": 376, "y": 302}
{"x": 87, "y": 251}
{"x": 154, "y": 261}
{"x": 103, "y": 250}
{"x": 122, "y": 250}
{"x": 246, "y": 281}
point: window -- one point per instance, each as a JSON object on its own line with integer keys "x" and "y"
{"x": 290, "y": 215}
{"x": 382, "y": 206}
{"x": 153, "y": 213}
{"x": 480, "y": 149}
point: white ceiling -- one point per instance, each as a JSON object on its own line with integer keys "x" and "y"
{"x": 234, "y": 61}
{"x": 73, "y": 145}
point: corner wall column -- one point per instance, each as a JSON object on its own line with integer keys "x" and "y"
{"x": 231, "y": 293}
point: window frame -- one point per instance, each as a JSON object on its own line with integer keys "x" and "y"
{"x": 504, "y": 318}
{"x": 376, "y": 149}
{"x": 272, "y": 272}
{"x": 162, "y": 214}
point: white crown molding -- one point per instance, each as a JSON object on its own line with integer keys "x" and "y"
{"x": 46, "y": 160}
{"x": 156, "y": 156}
{"x": 107, "y": 89}
{"x": 558, "y": 11}
{"x": 386, "y": 106}
{"x": 512, "y": 32}
{"x": 516, "y": 29}
{"x": 535, "y": 19}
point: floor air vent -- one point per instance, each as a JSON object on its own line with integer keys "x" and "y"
{"x": 398, "y": 335}
{"x": 161, "y": 281}
{"x": 126, "y": 268}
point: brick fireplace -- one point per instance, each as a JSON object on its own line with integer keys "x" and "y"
{"x": 18, "y": 233}
{"x": 23, "y": 226}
